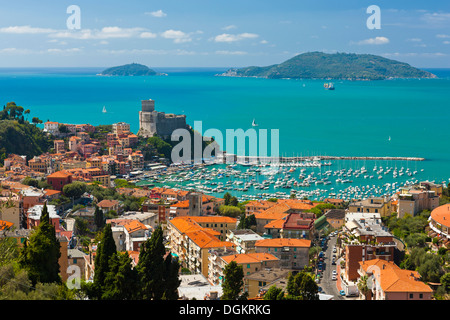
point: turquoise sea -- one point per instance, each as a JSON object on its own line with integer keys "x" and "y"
{"x": 356, "y": 119}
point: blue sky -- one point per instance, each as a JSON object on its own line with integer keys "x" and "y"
{"x": 212, "y": 33}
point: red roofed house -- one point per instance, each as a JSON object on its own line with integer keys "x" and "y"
{"x": 108, "y": 205}
{"x": 59, "y": 179}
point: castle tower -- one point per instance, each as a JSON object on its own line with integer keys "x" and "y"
{"x": 152, "y": 122}
{"x": 195, "y": 204}
{"x": 147, "y": 119}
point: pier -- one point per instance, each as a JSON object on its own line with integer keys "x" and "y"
{"x": 250, "y": 159}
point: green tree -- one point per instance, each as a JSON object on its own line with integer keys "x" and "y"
{"x": 363, "y": 285}
{"x": 229, "y": 211}
{"x": 75, "y": 189}
{"x": 227, "y": 198}
{"x": 98, "y": 218}
{"x": 302, "y": 287}
{"x": 274, "y": 293}
{"x": 121, "y": 282}
{"x": 105, "y": 251}
{"x": 445, "y": 281}
{"x": 36, "y": 121}
{"x": 151, "y": 266}
{"x": 171, "y": 279}
{"x": 40, "y": 254}
{"x": 234, "y": 281}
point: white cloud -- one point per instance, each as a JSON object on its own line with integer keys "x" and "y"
{"x": 442, "y": 36}
{"x": 414, "y": 40}
{"x": 71, "y": 50}
{"x": 226, "y": 52}
{"x": 178, "y": 36}
{"x": 148, "y": 35}
{"x": 264, "y": 42}
{"x": 104, "y": 33}
{"x": 436, "y": 17}
{"x": 375, "y": 41}
{"x": 25, "y": 30}
{"x": 226, "y": 37}
{"x": 231, "y": 26}
{"x": 157, "y": 14}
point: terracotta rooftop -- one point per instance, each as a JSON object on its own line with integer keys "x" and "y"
{"x": 107, "y": 203}
{"x": 442, "y": 215}
{"x": 249, "y": 257}
{"x": 393, "y": 279}
{"x": 283, "y": 242}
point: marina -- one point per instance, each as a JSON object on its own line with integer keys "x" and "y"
{"x": 316, "y": 178}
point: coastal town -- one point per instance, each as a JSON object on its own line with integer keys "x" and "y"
{"x": 389, "y": 245}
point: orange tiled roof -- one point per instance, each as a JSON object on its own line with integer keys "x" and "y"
{"x": 283, "y": 242}
{"x": 184, "y": 225}
{"x": 134, "y": 225}
{"x": 204, "y": 239}
{"x": 59, "y": 174}
{"x": 394, "y": 279}
{"x": 181, "y": 204}
{"x": 51, "y": 192}
{"x": 249, "y": 258}
{"x": 107, "y": 203}
{"x": 275, "y": 224}
{"x": 442, "y": 215}
{"x": 212, "y": 219}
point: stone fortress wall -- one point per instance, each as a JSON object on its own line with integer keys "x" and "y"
{"x": 152, "y": 122}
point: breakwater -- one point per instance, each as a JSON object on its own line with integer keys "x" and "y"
{"x": 250, "y": 159}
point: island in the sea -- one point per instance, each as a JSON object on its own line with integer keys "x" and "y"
{"x": 132, "y": 69}
{"x": 319, "y": 65}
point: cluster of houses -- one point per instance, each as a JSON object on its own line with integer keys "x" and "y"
{"x": 79, "y": 156}
{"x": 205, "y": 242}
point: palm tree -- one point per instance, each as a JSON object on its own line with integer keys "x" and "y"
{"x": 363, "y": 286}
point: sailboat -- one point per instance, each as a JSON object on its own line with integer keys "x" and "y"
{"x": 254, "y": 123}
{"x": 389, "y": 138}
{"x": 104, "y": 109}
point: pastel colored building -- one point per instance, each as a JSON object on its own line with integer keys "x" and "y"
{"x": 293, "y": 253}
{"x": 386, "y": 281}
{"x": 59, "y": 179}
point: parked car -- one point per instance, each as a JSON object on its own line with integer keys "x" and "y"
{"x": 334, "y": 272}
{"x": 333, "y": 277}
{"x": 334, "y": 250}
{"x": 342, "y": 293}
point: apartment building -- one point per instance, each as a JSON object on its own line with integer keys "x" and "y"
{"x": 372, "y": 205}
{"x": 412, "y": 200}
{"x": 250, "y": 262}
{"x": 368, "y": 239}
{"x": 293, "y": 253}
{"x": 244, "y": 239}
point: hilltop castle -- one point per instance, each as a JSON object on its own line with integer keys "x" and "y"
{"x": 155, "y": 123}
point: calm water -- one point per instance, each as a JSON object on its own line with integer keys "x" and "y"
{"x": 356, "y": 119}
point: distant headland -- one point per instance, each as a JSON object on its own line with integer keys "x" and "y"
{"x": 342, "y": 66}
{"x": 132, "y": 69}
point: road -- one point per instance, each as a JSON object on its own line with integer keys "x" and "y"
{"x": 328, "y": 285}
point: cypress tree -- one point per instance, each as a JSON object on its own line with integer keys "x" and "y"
{"x": 41, "y": 252}
{"x": 105, "y": 250}
{"x": 121, "y": 280}
{"x": 151, "y": 266}
{"x": 99, "y": 218}
{"x": 171, "y": 280}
